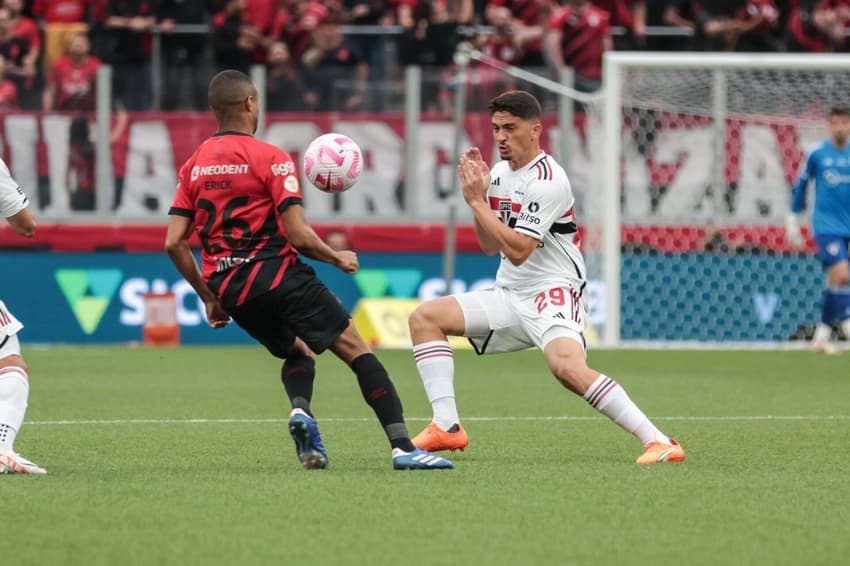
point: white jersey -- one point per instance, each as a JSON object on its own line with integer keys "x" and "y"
{"x": 12, "y": 198}
{"x": 537, "y": 201}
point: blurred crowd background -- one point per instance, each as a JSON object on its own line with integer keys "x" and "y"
{"x": 50, "y": 50}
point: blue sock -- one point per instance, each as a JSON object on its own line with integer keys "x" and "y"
{"x": 827, "y": 310}
{"x": 840, "y": 303}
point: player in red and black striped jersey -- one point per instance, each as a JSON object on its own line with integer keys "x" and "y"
{"x": 242, "y": 197}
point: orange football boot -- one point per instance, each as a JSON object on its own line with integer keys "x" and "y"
{"x": 657, "y": 452}
{"x": 433, "y": 438}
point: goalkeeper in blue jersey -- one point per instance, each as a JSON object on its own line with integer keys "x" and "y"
{"x": 828, "y": 165}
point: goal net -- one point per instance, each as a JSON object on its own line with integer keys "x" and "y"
{"x": 701, "y": 152}
{"x": 682, "y": 167}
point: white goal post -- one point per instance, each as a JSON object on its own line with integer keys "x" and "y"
{"x": 732, "y": 113}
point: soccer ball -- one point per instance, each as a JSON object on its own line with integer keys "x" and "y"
{"x": 333, "y": 163}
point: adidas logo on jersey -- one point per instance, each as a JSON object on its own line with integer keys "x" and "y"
{"x": 495, "y": 182}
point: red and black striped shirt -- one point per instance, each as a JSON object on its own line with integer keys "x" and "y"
{"x": 235, "y": 187}
{"x": 583, "y": 33}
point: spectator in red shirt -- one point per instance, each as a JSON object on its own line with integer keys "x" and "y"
{"x": 72, "y": 81}
{"x": 8, "y": 90}
{"x": 62, "y": 20}
{"x": 803, "y": 34}
{"x": 578, "y": 36}
{"x": 628, "y": 14}
{"x": 759, "y": 24}
{"x": 528, "y": 21}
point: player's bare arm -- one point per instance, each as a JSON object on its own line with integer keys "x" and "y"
{"x": 23, "y": 223}
{"x": 177, "y": 246}
{"x": 307, "y": 242}
{"x": 515, "y": 246}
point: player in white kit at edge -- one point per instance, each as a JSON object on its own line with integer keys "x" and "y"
{"x": 524, "y": 210}
{"x": 14, "y": 381}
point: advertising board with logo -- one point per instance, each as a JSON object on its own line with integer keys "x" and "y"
{"x": 99, "y": 297}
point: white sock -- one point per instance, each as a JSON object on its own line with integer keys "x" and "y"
{"x": 436, "y": 364}
{"x": 823, "y": 333}
{"x": 14, "y": 390}
{"x": 607, "y": 397}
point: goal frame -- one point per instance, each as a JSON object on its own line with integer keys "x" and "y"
{"x": 615, "y": 64}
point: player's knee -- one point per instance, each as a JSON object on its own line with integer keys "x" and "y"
{"x": 571, "y": 372}
{"x": 422, "y": 317}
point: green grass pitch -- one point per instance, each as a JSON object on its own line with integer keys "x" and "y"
{"x": 181, "y": 456}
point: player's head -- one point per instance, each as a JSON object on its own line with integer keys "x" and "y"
{"x": 839, "y": 125}
{"x": 234, "y": 100}
{"x": 515, "y": 117}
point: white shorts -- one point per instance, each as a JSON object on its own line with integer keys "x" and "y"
{"x": 505, "y": 320}
{"x": 9, "y": 346}
{"x": 9, "y": 325}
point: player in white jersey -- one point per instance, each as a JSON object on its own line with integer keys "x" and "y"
{"x": 14, "y": 382}
{"x": 524, "y": 210}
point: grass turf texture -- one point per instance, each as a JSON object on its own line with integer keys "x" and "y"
{"x": 527, "y": 491}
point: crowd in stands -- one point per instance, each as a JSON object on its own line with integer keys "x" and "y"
{"x": 50, "y": 50}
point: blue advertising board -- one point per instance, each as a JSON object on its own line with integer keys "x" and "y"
{"x": 99, "y": 297}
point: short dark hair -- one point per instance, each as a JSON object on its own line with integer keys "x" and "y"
{"x": 520, "y": 103}
{"x": 228, "y": 88}
{"x": 839, "y": 111}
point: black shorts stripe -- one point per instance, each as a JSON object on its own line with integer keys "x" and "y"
{"x": 483, "y": 350}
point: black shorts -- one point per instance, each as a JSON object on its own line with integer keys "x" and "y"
{"x": 300, "y": 306}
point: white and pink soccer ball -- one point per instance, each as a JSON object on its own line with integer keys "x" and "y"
{"x": 333, "y": 163}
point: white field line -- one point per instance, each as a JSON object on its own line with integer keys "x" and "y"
{"x": 720, "y": 418}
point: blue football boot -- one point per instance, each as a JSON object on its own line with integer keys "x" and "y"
{"x": 308, "y": 442}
